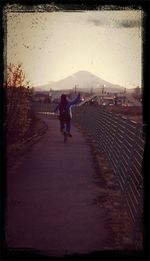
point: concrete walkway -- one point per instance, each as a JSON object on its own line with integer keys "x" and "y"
{"x": 51, "y": 201}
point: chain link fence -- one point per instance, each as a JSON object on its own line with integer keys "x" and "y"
{"x": 122, "y": 141}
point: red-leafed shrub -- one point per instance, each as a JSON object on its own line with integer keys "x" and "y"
{"x": 17, "y": 104}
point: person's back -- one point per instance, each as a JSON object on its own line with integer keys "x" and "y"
{"x": 64, "y": 112}
{"x": 64, "y": 108}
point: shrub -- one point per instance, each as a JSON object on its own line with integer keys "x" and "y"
{"x": 17, "y": 104}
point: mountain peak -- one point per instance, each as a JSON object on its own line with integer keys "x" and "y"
{"x": 81, "y": 79}
{"x": 84, "y": 73}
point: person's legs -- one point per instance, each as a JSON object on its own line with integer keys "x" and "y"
{"x": 61, "y": 125}
{"x": 68, "y": 127}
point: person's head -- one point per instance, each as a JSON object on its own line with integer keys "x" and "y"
{"x": 63, "y": 98}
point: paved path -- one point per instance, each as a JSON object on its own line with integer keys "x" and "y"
{"x": 52, "y": 198}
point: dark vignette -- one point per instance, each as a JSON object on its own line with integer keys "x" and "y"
{"x": 2, "y": 140}
{"x": 66, "y": 6}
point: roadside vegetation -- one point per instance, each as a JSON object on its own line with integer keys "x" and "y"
{"x": 19, "y": 119}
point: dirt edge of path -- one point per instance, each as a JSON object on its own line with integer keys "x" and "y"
{"x": 120, "y": 222}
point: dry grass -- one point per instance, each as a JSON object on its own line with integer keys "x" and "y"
{"x": 113, "y": 201}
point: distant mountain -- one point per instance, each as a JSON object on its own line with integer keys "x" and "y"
{"x": 82, "y": 80}
{"x": 44, "y": 87}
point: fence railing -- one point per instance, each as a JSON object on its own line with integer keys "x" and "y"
{"x": 123, "y": 143}
{"x": 43, "y": 107}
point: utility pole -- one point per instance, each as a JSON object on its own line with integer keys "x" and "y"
{"x": 91, "y": 90}
{"x": 75, "y": 88}
{"x": 103, "y": 88}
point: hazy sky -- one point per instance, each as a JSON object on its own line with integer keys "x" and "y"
{"x": 54, "y": 45}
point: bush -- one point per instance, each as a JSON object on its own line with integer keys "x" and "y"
{"x": 18, "y": 104}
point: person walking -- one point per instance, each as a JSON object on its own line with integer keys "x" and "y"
{"x": 64, "y": 108}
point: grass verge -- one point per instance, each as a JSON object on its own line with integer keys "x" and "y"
{"x": 114, "y": 203}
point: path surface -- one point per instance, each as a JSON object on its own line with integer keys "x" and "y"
{"x": 51, "y": 198}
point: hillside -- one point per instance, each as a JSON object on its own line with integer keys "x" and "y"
{"x": 82, "y": 80}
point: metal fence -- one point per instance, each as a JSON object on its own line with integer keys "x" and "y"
{"x": 43, "y": 108}
{"x": 123, "y": 143}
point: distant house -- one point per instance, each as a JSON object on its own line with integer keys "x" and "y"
{"x": 137, "y": 94}
{"x": 111, "y": 99}
{"x": 107, "y": 99}
{"x": 41, "y": 97}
